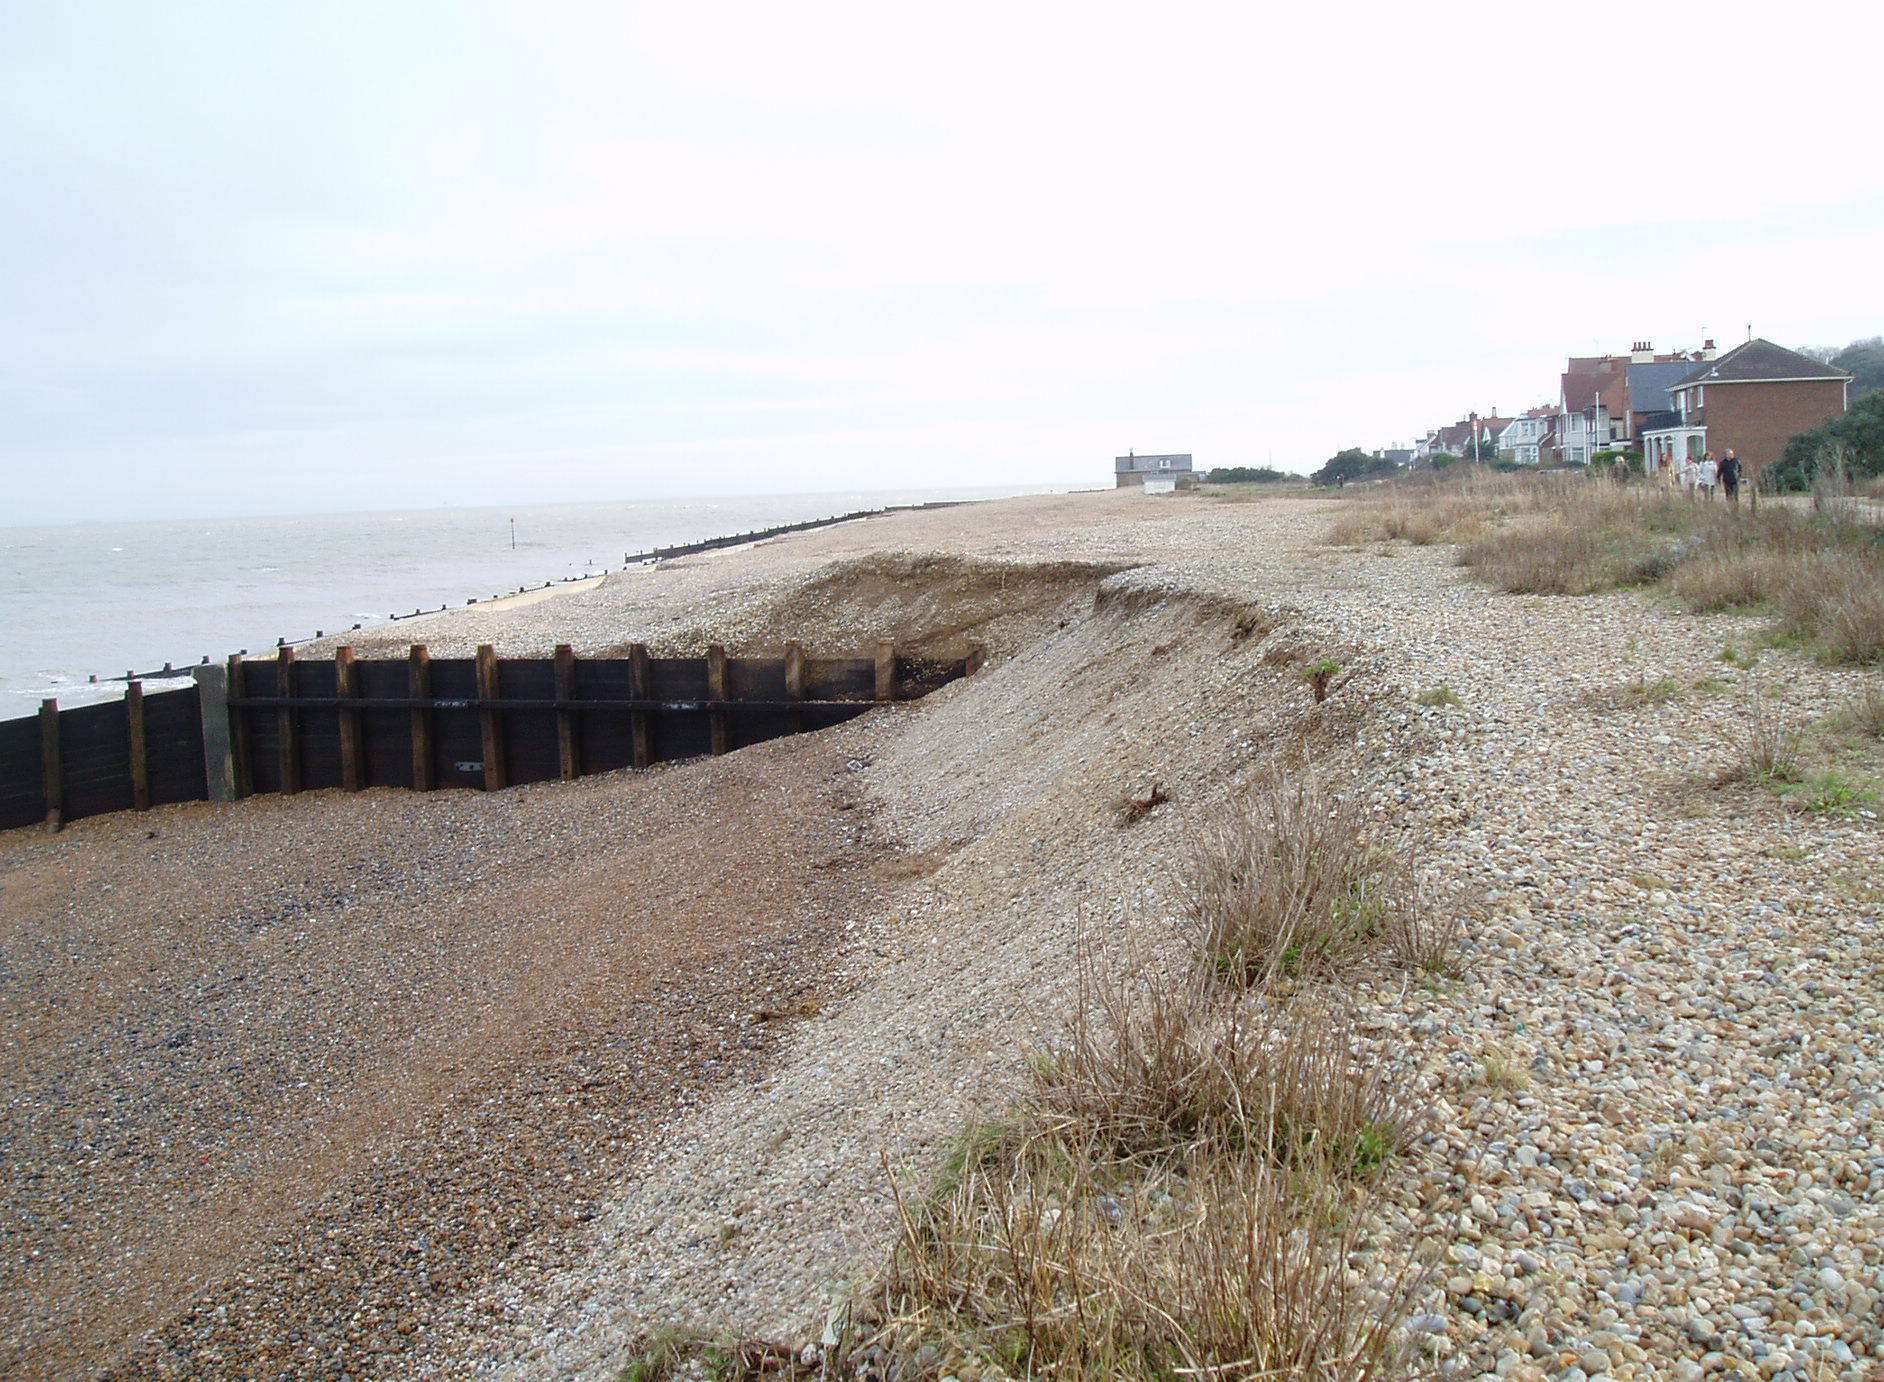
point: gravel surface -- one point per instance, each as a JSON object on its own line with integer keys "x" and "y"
{"x": 1655, "y": 1145}
{"x": 290, "y": 1079}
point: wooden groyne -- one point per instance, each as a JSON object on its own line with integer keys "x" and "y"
{"x": 288, "y": 725}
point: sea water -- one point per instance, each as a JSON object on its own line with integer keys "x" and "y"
{"x": 101, "y": 599}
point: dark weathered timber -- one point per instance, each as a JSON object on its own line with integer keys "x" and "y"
{"x": 354, "y": 723}
{"x": 51, "y": 770}
{"x": 347, "y": 688}
{"x": 287, "y": 737}
{"x": 795, "y": 682}
{"x": 689, "y": 705}
{"x": 884, "y": 672}
{"x": 568, "y": 746}
{"x": 638, "y": 719}
{"x": 241, "y": 773}
{"x": 419, "y": 679}
{"x": 717, "y": 729}
{"x": 140, "y": 750}
{"x": 215, "y": 734}
{"x": 491, "y": 720}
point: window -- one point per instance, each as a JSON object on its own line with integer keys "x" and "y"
{"x": 1164, "y": 462}
{"x": 1700, "y": 397}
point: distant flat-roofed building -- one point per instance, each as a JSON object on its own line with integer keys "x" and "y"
{"x": 1133, "y": 470}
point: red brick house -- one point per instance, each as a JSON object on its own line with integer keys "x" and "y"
{"x": 1752, "y": 400}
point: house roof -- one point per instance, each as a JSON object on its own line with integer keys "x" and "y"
{"x": 1759, "y": 358}
{"x": 1649, "y": 384}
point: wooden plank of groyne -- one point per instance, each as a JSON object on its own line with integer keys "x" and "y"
{"x": 286, "y": 735}
{"x": 140, "y": 754}
{"x": 716, "y": 691}
{"x": 241, "y": 775}
{"x": 490, "y": 719}
{"x": 419, "y": 681}
{"x": 212, "y": 718}
{"x": 347, "y": 687}
{"x": 886, "y": 670}
{"x": 638, "y": 690}
{"x": 795, "y": 681}
{"x": 569, "y": 749}
{"x": 49, "y": 766}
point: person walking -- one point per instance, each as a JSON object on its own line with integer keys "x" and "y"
{"x": 1689, "y": 465}
{"x": 1730, "y": 477}
{"x": 1706, "y": 474}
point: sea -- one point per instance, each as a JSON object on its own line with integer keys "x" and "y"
{"x": 98, "y": 600}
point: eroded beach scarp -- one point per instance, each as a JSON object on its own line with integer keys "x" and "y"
{"x": 1650, "y": 1132}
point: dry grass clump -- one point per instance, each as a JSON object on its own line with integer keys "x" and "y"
{"x": 1421, "y": 521}
{"x": 1294, "y": 887}
{"x": 1579, "y": 550}
{"x": 1180, "y": 1064}
{"x": 1864, "y": 717}
{"x": 1042, "y": 1262}
{"x": 1768, "y": 753}
{"x": 1836, "y": 598}
{"x": 1725, "y": 579}
{"x": 1422, "y": 935}
{"x": 1187, "y": 1192}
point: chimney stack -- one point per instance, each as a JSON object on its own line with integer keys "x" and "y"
{"x": 1707, "y": 349}
{"x": 1642, "y": 353}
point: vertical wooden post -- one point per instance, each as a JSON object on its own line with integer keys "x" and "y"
{"x": 140, "y": 757}
{"x": 212, "y": 706}
{"x": 886, "y": 670}
{"x": 419, "y": 684}
{"x": 346, "y": 687}
{"x": 491, "y": 719}
{"x": 716, "y": 692}
{"x": 287, "y": 732}
{"x": 50, "y": 766}
{"x": 242, "y": 776}
{"x": 795, "y": 681}
{"x": 638, "y": 690}
{"x": 569, "y": 749}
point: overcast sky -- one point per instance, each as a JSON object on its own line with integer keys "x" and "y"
{"x": 266, "y": 257}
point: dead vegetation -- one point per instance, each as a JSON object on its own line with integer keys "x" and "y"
{"x": 1132, "y": 807}
{"x": 1186, "y": 1185}
{"x": 1767, "y": 752}
{"x": 1864, "y": 717}
{"x": 1185, "y": 1190}
{"x": 1818, "y": 572}
{"x": 1296, "y": 888}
